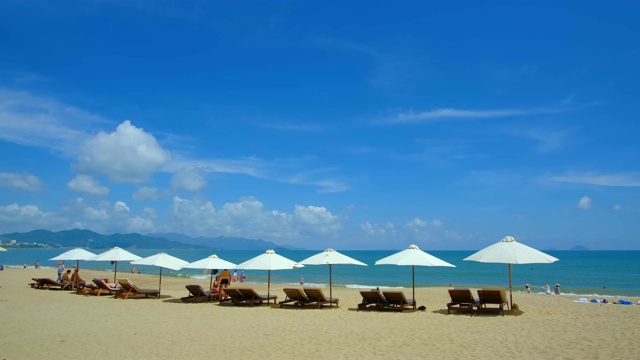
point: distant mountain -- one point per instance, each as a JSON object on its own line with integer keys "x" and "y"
{"x": 579, "y": 248}
{"x": 90, "y": 239}
{"x": 224, "y": 243}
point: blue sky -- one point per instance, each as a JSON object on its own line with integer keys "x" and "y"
{"x": 353, "y": 125}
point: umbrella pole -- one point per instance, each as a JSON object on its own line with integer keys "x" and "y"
{"x": 413, "y": 278}
{"x": 210, "y": 285}
{"x": 510, "y": 291}
{"x": 160, "y": 284}
{"x": 77, "y": 264}
{"x": 268, "y": 287}
{"x": 330, "y": 284}
{"x": 115, "y": 273}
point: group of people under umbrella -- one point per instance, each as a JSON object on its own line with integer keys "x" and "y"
{"x": 507, "y": 251}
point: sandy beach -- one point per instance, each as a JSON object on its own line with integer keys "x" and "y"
{"x": 50, "y": 324}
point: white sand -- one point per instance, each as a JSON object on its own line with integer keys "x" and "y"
{"x": 49, "y": 324}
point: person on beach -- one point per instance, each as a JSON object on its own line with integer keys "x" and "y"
{"x": 36, "y": 265}
{"x": 133, "y": 270}
{"x": 76, "y": 279}
{"x": 242, "y": 277}
{"x": 60, "y": 270}
{"x": 547, "y": 290}
{"x": 557, "y": 289}
{"x": 225, "y": 280}
{"x": 215, "y": 288}
{"x": 66, "y": 280}
{"x": 527, "y": 289}
{"x": 235, "y": 276}
{"x": 301, "y": 280}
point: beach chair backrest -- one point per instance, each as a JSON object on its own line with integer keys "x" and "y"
{"x": 196, "y": 290}
{"x": 372, "y": 296}
{"x": 395, "y": 297}
{"x": 295, "y": 294}
{"x": 315, "y": 294}
{"x": 461, "y": 295}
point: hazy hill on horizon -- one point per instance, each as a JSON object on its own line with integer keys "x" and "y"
{"x": 91, "y": 239}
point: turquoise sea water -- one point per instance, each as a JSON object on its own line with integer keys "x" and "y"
{"x": 594, "y": 273}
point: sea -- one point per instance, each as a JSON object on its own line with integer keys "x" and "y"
{"x": 584, "y": 273}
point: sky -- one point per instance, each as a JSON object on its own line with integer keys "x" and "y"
{"x": 317, "y": 124}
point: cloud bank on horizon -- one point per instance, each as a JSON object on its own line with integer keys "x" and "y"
{"x": 444, "y": 126}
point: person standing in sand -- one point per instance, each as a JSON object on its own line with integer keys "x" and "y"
{"x": 225, "y": 280}
{"x": 557, "y": 289}
{"x": 60, "y": 270}
{"x": 235, "y": 276}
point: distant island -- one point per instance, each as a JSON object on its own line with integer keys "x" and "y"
{"x": 579, "y": 248}
{"x": 93, "y": 240}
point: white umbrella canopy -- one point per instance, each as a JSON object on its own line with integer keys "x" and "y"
{"x": 413, "y": 257}
{"x": 76, "y": 254}
{"x": 509, "y": 251}
{"x": 331, "y": 257}
{"x": 268, "y": 261}
{"x": 210, "y": 263}
{"x": 115, "y": 254}
{"x": 162, "y": 260}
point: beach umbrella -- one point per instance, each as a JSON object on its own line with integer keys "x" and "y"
{"x": 116, "y": 254}
{"x": 210, "y": 263}
{"x": 269, "y": 261}
{"x": 162, "y": 260}
{"x": 76, "y": 254}
{"x": 509, "y": 251}
{"x": 413, "y": 257}
{"x": 331, "y": 257}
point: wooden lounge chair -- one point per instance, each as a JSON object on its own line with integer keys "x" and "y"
{"x": 294, "y": 297}
{"x": 492, "y": 296}
{"x": 47, "y": 283}
{"x": 317, "y": 299}
{"x": 397, "y": 301}
{"x": 233, "y": 295}
{"x": 461, "y": 300}
{"x": 372, "y": 300}
{"x": 198, "y": 294}
{"x": 129, "y": 289}
{"x": 101, "y": 287}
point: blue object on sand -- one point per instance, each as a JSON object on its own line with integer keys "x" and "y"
{"x": 625, "y": 302}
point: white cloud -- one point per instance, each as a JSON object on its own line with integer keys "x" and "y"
{"x": 127, "y": 155}
{"x": 21, "y": 181}
{"x": 248, "y": 218}
{"x": 418, "y": 223}
{"x": 120, "y": 207}
{"x": 87, "y": 184}
{"x": 450, "y": 113}
{"x": 92, "y": 213}
{"x": 37, "y": 121}
{"x": 584, "y": 203}
{"x": 189, "y": 178}
{"x": 14, "y": 217}
{"x": 146, "y": 193}
{"x": 592, "y": 178}
{"x": 617, "y": 207}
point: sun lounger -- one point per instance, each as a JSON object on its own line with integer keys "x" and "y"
{"x": 461, "y": 300}
{"x": 397, "y": 301}
{"x": 129, "y": 289}
{"x": 492, "y": 296}
{"x": 294, "y": 297}
{"x": 246, "y": 296}
{"x": 47, "y": 283}
{"x": 372, "y": 300}
{"x": 317, "y": 299}
{"x": 198, "y": 294}
{"x": 101, "y": 287}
